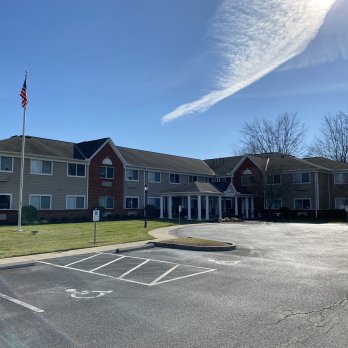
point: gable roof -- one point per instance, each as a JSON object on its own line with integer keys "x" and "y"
{"x": 327, "y": 163}
{"x": 89, "y": 148}
{"x": 41, "y": 147}
{"x": 223, "y": 166}
{"x": 164, "y": 162}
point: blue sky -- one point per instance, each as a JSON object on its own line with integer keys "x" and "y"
{"x": 117, "y": 68}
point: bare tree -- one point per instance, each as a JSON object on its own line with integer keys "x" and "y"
{"x": 285, "y": 135}
{"x": 333, "y": 141}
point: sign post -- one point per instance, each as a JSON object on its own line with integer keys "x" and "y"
{"x": 96, "y": 218}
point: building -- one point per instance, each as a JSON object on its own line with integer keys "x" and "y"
{"x": 65, "y": 179}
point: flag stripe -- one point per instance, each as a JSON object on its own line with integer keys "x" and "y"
{"x": 24, "y": 95}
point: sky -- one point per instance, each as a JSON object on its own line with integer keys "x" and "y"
{"x": 173, "y": 76}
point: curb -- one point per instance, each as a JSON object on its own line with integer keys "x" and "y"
{"x": 228, "y": 247}
{"x": 17, "y": 265}
{"x": 149, "y": 245}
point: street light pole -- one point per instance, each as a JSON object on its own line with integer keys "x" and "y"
{"x": 145, "y": 203}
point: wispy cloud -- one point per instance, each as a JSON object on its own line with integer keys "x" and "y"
{"x": 254, "y": 37}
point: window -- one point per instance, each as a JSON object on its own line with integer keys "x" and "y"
{"x": 301, "y": 178}
{"x": 154, "y": 176}
{"x": 341, "y": 178}
{"x": 340, "y": 203}
{"x": 174, "y": 178}
{"x": 41, "y": 167}
{"x": 75, "y": 202}
{"x": 276, "y": 204}
{"x": 132, "y": 175}
{"x": 40, "y": 202}
{"x": 247, "y": 180}
{"x": 155, "y": 201}
{"x": 106, "y": 202}
{"x": 6, "y": 164}
{"x": 273, "y": 179}
{"x": 302, "y": 203}
{"x": 75, "y": 169}
{"x": 193, "y": 178}
{"x": 5, "y": 201}
{"x": 106, "y": 172}
{"x": 132, "y": 202}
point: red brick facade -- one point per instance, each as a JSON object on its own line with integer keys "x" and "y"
{"x": 99, "y": 187}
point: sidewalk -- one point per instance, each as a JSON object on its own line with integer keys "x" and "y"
{"x": 159, "y": 234}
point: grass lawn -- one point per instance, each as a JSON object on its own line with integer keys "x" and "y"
{"x": 58, "y": 237}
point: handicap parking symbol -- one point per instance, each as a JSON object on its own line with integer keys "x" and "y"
{"x": 87, "y": 294}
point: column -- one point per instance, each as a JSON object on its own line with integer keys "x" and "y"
{"x": 252, "y": 207}
{"x": 236, "y": 205}
{"x": 188, "y": 207}
{"x": 247, "y": 207}
{"x": 207, "y": 207}
{"x": 220, "y": 208}
{"x": 199, "y": 207}
{"x": 170, "y": 207}
{"x": 161, "y": 207}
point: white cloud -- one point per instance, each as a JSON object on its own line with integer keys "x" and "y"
{"x": 254, "y": 37}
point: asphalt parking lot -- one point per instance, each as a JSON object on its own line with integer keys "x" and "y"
{"x": 286, "y": 285}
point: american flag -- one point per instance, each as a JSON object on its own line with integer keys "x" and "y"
{"x": 24, "y": 95}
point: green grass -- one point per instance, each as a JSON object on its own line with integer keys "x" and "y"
{"x": 59, "y": 237}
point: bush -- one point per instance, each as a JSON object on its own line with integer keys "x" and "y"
{"x": 29, "y": 215}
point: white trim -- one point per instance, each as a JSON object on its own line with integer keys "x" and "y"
{"x": 125, "y": 202}
{"x": 40, "y": 160}
{"x": 7, "y": 194}
{"x": 7, "y": 171}
{"x": 76, "y": 196}
{"x": 310, "y": 203}
{"x": 41, "y": 195}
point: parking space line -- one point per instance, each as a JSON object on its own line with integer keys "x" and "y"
{"x": 133, "y": 269}
{"x": 186, "y": 276}
{"x": 73, "y": 263}
{"x": 94, "y": 269}
{"x": 163, "y": 275}
{"x": 26, "y": 305}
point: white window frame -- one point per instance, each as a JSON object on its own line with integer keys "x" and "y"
{"x": 41, "y": 195}
{"x": 132, "y": 197}
{"x": 154, "y": 181}
{"x": 190, "y": 179}
{"x": 301, "y": 183}
{"x": 7, "y": 194}
{"x": 76, "y": 196}
{"x": 126, "y": 176}
{"x": 106, "y": 198}
{"x": 345, "y": 199}
{"x": 107, "y": 178}
{"x": 174, "y": 183}
{"x": 159, "y": 200}
{"x": 343, "y": 182}
{"x": 7, "y": 171}
{"x": 39, "y": 160}
{"x": 302, "y": 199}
{"x": 75, "y": 176}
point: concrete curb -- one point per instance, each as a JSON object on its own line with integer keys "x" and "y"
{"x": 149, "y": 245}
{"x": 228, "y": 247}
{"x": 17, "y": 265}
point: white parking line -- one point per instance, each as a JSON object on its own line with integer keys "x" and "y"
{"x": 196, "y": 269}
{"x": 94, "y": 269}
{"x": 133, "y": 269}
{"x": 73, "y": 263}
{"x": 26, "y": 305}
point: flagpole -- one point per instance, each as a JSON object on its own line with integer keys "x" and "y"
{"x": 19, "y": 229}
